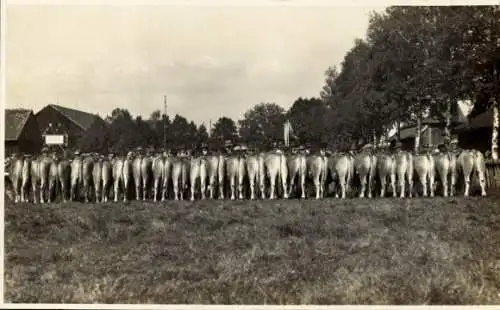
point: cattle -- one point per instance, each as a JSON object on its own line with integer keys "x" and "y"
{"x": 16, "y": 175}
{"x": 64, "y": 176}
{"x": 157, "y": 173}
{"x": 127, "y": 174}
{"x": 117, "y": 176}
{"x": 386, "y": 168}
{"x": 317, "y": 165}
{"x": 88, "y": 166}
{"x": 234, "y": 173}
{"x": 146, "y": 174}
{"x": 203, "y": 172}
{"x": 166, "y": 174}
{"x": 35, "y": 177}
{"x": 273, "y": 165}
{"x": 45, "y": 164}
{"x": 424, "y": 166}
{"x": 446, "y": 167}
{"x": 97, "y": 178}
{"x": 26, "y": 174}
{"x": 404, "y": 171}
{"x": 179, "y": 174}
{"x": 212, "y": 164}
{"x": 76, "y": 176}
{"x": 297, "y": 168}
{"x": 472, "y": 161}
{"x": 195, "y": 164}
{"x": 340, "y": 167}
{"x": 136, "y": 173}
{"x": 53, "y": 176}
{"x": 107, "y": 177}
{"x": 365, "y": 164}
{"x": 252, "y": 169}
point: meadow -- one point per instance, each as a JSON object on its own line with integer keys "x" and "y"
{"x": 354, "y": 251}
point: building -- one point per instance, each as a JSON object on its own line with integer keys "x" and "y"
{"x": 22, "y": 134}
{"x": 432, "y": 133}
{"x": 56, "y": 119}
{"x": 476, "y": 133}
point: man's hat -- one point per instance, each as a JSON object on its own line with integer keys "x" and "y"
{"x": 77, "y": 152}
{"x": 454, "y": 141}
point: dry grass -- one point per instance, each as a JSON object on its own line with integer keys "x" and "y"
{"x": 383, "y": 251}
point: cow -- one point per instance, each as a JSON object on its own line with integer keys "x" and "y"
{"x": 317, "y": 165}
{"x": 26, "y": 175}
{"x": 87, "y": 167}
{"x": 64, "y": 176}
{"x": 340, "y": 168}
{"x": 117, "y": 176}
{"x": 212, "y": 163}
{"x": 136, "y": 173}
{"x": 35, "y": 177}
{"x": 273, "y": 165}
{"x": 127, "y": 174}
{"x": 107, "y": 176}
{"x": 16, "y": 176}
{"x": 365, "y": 165}
{"x": 146, "y": 174}
{"x": 97, "y": 178}
{"x": 235, "y": 171}
{"x": 446, "y": 168}
{"x": 195, "y": 164}
{"x": 297, "y": 168}
{"x": 253, "y": 171}
{"x": 471, "y": 161}
{"x": 76, "y": 176}
{"x": 404, "y": 170}
{"x": 45, "y": 164}
{"x": 386, "y": 168}
{"x": 53, "y": 176}
{"x": 202, "y": 162}
{"x": 424, "y": 166}
{"x": 180, "y": 173}
{"x": 166, "y": 174}
{"x": 157, "y": 173}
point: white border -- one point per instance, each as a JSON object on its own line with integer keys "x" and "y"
{"x": 243, "y": 3}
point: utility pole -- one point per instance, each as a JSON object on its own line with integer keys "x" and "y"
{"x": 210, "y": 128}
{"x": 165, "y": 122}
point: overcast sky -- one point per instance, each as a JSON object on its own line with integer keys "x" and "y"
{"x": 209, "y": 61}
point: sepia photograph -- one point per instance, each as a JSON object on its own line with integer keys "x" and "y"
{"x": 250, "y": 153}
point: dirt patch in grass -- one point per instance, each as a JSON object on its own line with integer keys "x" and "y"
{"x": 379, "y": 251}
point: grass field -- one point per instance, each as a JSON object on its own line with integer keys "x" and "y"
{"x": 380, "y": 251}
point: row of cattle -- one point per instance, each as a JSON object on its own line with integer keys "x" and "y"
{"x": 159, "y": 176}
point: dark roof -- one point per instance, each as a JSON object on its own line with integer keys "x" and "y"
{"x": 15, "y": 120}
{"x": 483, "y": 120}
{"x": 82, "y": 119}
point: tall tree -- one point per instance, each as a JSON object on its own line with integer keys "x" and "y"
{"x": 224, "y": 129}
{"x": 263, "y": 123}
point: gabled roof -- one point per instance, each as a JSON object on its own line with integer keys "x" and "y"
{"x": 82, "y": 119}
{"x": 15, "y": 120}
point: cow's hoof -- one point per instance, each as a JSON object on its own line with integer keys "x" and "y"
{"x": 483, "y": 194}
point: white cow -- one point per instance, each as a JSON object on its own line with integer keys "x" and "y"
{"x": 404, "y": 171}
{"x": 473, "y": 161}
{"x": 423, "y": 163}
{"x": 317, "y": 165}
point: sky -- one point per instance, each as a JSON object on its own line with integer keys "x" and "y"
{"x": 209, "y": 61}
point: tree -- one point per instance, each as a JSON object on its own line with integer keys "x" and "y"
{"x": 180, "y": 131}
{"x": 329, "y": 89}
{"x": 96, "y": 138}
{"x": 202, "y": 134}
{"x": 224, "y": 129}
{"x": 263, "y": 123}
{"x": 307, "y": 119}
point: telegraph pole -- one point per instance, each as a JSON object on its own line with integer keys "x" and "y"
{"x": 165, "y": 122}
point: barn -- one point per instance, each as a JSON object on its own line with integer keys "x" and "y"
{"x": 22, "y": 134}
{"x": 476, "y": 133}
{"x": 62, "y": 120}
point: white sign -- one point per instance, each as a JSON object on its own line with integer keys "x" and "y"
{"x": 54, "y": 139}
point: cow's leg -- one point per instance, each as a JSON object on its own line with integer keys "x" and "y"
{"x": 432, "y": 180}
{"x": 52, "y": 186}
{"x": 302, "y": 181}
{"x": 453, "y": 182}
{"x": 467, "y": 184}
{"x": 137, "y": 182}
{"x": 363, "y": 186}
{"x": 203, "y": 183}
{"x": 482, "y": 182}
{"x": 383, "y": 179}
{"x": 423, "y": 181}
{"x": 116, "y": 189}
{"x": 402, "y": 185}
{"x": 371, "y": 178}
{"x": 251, "y": 181}
{"x": 343, "y": 186}
{"x": 240, "y": 186}
{"x": 262, "y": 186}
{"x": 175, "y": 185}
{"x": 317, "y": 186}
{"x": 292, "y": 184}
{"x": 164, "y": 189}
{"x": 221, "y": 186}
{"x": 284, "y": 177}
{"x": 393, "y": 184}
{"x": 272, "y": 184}
{"x": 145, "y": 183}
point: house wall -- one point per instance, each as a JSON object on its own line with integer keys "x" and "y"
{"x": 29, "y": 141}
{"x": 479, "y": 139}
{"x": 50, "y": 115}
